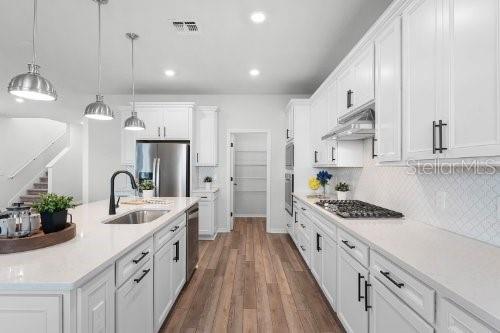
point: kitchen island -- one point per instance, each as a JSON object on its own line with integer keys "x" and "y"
{"x": 71, "y": 287}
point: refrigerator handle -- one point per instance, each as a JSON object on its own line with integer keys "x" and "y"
{"x": 154, "y": 173}
{"x": 157, "y": 183}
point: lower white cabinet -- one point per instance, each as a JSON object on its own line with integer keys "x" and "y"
{"x": 207, "y": 213}
{"x": 179, "y": 263}
{"x": 31, "y": 313}
{"x": 329, "y": 269}
{"x": 96, "y": 304}
{"x": 390, "y": 314}
{"x": 351, "y": 306}
{"x": 452, "y": 319}
{"x": 134, "y": 302}
{"x": 163, "y": 295}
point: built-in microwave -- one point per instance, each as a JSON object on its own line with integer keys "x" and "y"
{"x": 289, "y": 159}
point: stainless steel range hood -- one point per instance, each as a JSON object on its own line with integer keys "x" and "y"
{"x": 356, "y": 125}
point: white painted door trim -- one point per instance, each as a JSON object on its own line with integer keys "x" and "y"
{"x": 268, "y": 174}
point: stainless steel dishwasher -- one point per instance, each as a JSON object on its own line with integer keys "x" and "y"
{"x": 192, "y": 241}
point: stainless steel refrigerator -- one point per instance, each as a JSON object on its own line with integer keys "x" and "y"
{"x": 166, "y": 164}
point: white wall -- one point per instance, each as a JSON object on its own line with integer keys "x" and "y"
{"x": 236, "y": 112}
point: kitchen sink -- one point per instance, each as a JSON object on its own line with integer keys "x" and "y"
{"x": 138, "y": 217}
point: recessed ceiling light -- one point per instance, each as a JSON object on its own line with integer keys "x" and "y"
{"x": 254, "y": 72}
{"x": 19, "y": 100}
{"x": 258, "y": 17}
{"x": 170, "y": 73}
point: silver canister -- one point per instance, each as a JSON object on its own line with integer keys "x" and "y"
{"x": 20, "y": 223}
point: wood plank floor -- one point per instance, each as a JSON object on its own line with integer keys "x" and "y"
{"x": 250, "y": 281}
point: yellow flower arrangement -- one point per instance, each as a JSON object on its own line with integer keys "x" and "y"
{"x": 314, "y": 183}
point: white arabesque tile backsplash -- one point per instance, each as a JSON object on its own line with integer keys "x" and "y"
{"x": 470, "y": 200}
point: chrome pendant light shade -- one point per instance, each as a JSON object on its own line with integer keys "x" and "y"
{"x": 99, "y": 110}
{"x": 32, "y": 85}
{"x": 133, "y": 123}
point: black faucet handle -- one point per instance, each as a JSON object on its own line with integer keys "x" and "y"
{"x": 118, "y": 202}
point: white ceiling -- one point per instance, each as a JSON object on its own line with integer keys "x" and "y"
{"x": 295, "y": 49}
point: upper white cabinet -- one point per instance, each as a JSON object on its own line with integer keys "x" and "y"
{"x": 451, "y": 85}
{"x": 356, "y": 83}
{"x": 332, "y": 113}
{"x": 319, "y": 126}
{"x": 388, "y": 92}
{"x": 206, "y": 135}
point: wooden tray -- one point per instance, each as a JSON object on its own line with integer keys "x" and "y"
{"x": 38, "y": 240}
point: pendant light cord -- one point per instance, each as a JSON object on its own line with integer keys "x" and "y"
{"x": 133, "y": 81}
{"x": 34, "y": 30}
{"x": 98, "y": 50}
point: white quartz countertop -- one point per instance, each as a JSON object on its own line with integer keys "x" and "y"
{"x": 97, "y": 245}
{"x": 464, "y": 270}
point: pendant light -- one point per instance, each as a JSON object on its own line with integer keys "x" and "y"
{"x": 32, "y": 85}
{"x": 99, "y": 110}
{"x": 133, "y": 123}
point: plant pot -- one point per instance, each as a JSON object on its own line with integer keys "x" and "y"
{"x": 53, "y": 222}
{"x": 146, "y": 194}
{"x": 342, "y": 195}
{"x": 208, "y": 186}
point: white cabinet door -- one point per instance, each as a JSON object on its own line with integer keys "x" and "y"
{"x": 179, "y": 263}
{"x": 153, "y": 120}
{"x": 134, "y": 302}
{"x": 290, "y": 121}
{"x": 34, "y": 314}
{"x": 388, "y": 92}
{"x": 329, "y": 269}
{"x": 206, "y": 138}
{"x": 317, "y": 254}
{"x": 175, "y": 124}
{"x": 163, "y": 285}
{"x": 206, "y": 217}
{"x": 473, "y": 83}
{"x": 364, "y": 82}
{"x": 313, "y": 131}
{"x": 345, "y": 92}
{"x": 96, "y": 304}
{"x": 422, "y": 53}
{"x": 390, "y": 314}
{"x": 452, "y": 319}
{"x": 351, "y": 294}
{"x": 332, "y": 105}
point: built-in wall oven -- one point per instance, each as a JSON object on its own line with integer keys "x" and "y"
{"x": 289, "y": 159}
{"x": 288, "y": 192}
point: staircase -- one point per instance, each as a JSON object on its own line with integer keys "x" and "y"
{"x": 34, "y": 193}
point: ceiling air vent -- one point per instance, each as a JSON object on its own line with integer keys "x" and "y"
{"x": 185, "y": 26}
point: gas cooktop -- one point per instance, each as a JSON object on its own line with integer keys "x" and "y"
{"x": 350, "y": 209}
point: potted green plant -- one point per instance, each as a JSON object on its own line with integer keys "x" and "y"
{"x": 53, "y": 211}
{"x": 147, "y": 188}
{"x": 208, "y": 183}
{"x": 342, "y": 189}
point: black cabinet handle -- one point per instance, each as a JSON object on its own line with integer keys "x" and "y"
{"x": 143, "y": 254}
{"x": 303, "y": 225}
{"x": 287, "y": 135}
{"x": 144, "y": 273}
{"x": 439, "y": 125}
{"x": 348, "y": 245}
{"x": 296, "y": 217}
{"x": 373, "y": 148}
{"x": 164, "y": 131}
{"x": 159, "y": 132}
{"x": 288, "y": 225}
{"x": 359, "y": 287}
{"x": 303, "y": 248}
{"x": 349, "y": 98}
{"x": 387, "y": 275}
{"x": 197, "y": 157}
{"x": 333, "y": 154}
{"x": 318, "y": 247}
{"x": 303, "y": 208}
{"x": 315, "y": 156}
{"x": 176, "y": 258}
{"x": 366, "y": 296}
{"x": 174, "y": 228}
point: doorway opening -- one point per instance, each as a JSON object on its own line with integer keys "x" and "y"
{"x": 249, "y": 183}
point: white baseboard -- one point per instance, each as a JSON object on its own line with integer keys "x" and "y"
{"x": 223, "y": 230}
{"x": 278, "y": 231}
{"x": 207, "y": 237}
{"x": 249, "y": 215}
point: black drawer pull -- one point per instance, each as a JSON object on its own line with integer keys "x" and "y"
{"x": 318, "y": 247}
{"x": 296, "y": 217}
{"x": 174, "y": 228}
{"x": 366, "y": 296}
{"x": 303, "y": 225}
{"x": 303, "y": 248}
{"x": 143, "y": 254}
{"x": 144, "y": 273}
{"x": 348, "y": 245}
{"x": 176, "y": 258}
{"x": 302, "y": 208}
{"x": 387, "y": 275}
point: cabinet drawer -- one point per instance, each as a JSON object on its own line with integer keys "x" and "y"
{"x": 133, "y": 260}
{"x": 303, "y": 246}
{"x": 324, "y": 225}
{"x": 204, "y": 196}
{"x": 416, "y": 294}
{"x": 455, "y": 320}
{"x": 304, "y": 224}
{"x": 354, "y": 247}
{"x": 164, "y": 235}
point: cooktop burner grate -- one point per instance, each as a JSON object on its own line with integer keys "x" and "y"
{"x": 357, "y": 209}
